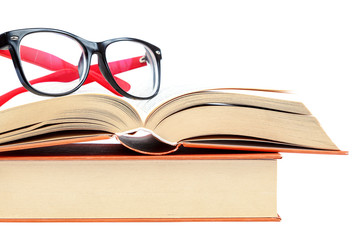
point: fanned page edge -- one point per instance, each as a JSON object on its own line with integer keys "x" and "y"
{"x": 66, "y": 103}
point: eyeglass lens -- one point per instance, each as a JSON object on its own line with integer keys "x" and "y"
{"x": 143, "y": 80}
{"x": 63, "y": 55}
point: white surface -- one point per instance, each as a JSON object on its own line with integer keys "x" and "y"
{"x": 310, "y": 47}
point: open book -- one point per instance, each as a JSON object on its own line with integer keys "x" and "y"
{"x": 203, "y": 119}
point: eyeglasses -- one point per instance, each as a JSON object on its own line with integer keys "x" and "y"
{"x": 51, "y": 62}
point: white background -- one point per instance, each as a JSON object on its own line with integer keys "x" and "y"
{"x": 310, "y": 47}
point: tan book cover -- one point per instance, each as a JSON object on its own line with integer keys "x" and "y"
{"x": 82, "y": 183}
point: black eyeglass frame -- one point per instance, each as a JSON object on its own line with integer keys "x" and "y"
{"x": 11, "y": 40}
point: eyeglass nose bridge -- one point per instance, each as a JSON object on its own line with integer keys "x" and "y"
{"x": 105, "y": 71}
{"x": 98, "y": 49}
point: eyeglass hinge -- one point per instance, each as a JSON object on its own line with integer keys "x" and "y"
{"x": 14, "y": 38}
{"x": 142, "y": 59}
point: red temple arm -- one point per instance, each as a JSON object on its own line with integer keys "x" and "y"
{"x": 54, "y": 63}
{"x": 66, "y": 72}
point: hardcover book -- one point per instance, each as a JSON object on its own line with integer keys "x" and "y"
{"x": 219, "y": 119}
{"x": 92, "y": 182}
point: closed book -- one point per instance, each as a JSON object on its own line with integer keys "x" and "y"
{"x": 93, "y": 182}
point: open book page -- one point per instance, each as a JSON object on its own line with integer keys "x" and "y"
{"x": 224, "y": 97}
{"x": 146, "y": 107}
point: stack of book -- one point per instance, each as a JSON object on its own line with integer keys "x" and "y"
{"x": 206, "y": 156}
